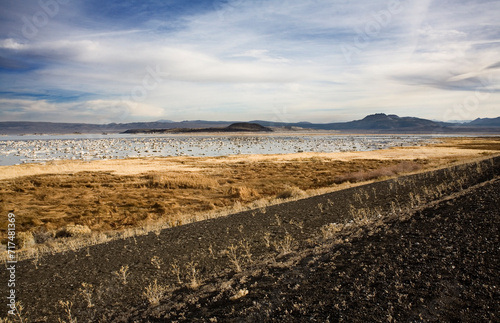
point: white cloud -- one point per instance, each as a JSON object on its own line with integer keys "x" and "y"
{"x": 91, "y": 111}
{"x": 262, "y": 55}
{"x": 10, "y": 43}
{"x": 247, "y": 58}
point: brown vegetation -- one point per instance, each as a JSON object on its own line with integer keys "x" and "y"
{"x": 103, "y": 201}
{"x": 388, "y": 171}
{"x": 73, "y": 203}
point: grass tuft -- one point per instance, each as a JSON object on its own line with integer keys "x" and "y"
{"x": 290, "y": 193}
{"x": 154, "y": 292}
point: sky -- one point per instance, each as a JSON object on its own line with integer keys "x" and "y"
{"x": 240, "y": 60}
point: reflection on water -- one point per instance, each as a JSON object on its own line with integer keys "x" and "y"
{"x": 29, "y": 149}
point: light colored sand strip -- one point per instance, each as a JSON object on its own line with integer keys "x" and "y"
{"x": 186, "y": 164}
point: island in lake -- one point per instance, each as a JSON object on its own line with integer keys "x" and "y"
{"x": 235, "y": 127}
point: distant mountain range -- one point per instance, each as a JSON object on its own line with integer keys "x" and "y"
{"x": 375, "y": 123}
{"x": 486, "y": 122}
{"x": 378, "y": 122}
{"x": 28, "y": 127}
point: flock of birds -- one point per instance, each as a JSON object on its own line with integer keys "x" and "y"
{"x": 17, "y": 150}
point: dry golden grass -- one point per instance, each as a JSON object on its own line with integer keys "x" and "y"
{"x": 404, "y": 167}
{"x": 291, "y": 192}
{"x": 67, "y": 199}
{"x": 180, "y": 181}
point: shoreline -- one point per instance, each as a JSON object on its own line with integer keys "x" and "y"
{"x": 138, "y": 165}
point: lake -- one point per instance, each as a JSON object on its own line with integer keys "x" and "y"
{"x": 43, "y": 148}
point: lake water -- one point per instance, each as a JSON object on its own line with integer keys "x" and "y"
{"x": 43, "y": 148}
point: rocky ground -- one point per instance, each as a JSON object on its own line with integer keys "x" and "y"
{"x": 439, "y": 265}
{"x": 420, "y": 248}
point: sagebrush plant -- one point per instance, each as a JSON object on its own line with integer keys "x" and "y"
{"x": 299, "y": 224}
{"x": 176, "y": 270}
{"x": 156, "y": 262}
{"x": 328, "y": 231}
{"x": 291, "y": 192}
{"x": 36, "y": 259}
{"x": 19, "y": 315}
{"x": 74, "y": 231}
{"x": 87, "y": 291}
{"x": 122, "y": 274}
{"x": 278, "y": 220}
{"x": 194, "y": 281}
{"x": 25, "y": 239}
{"x": 286, "y": 245}
{"x": 359, "y": 214}
{"x": 232, "y": 254}
{"x": 154, "y": 292}
{"x": 67, "y": 306}
{"x": 245, "y": 246}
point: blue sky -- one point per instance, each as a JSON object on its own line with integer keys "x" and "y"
{"x": 278, "y": 60}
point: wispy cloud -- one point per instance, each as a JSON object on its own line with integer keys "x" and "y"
{"x": 317, "y": 60}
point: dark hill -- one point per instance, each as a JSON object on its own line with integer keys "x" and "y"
{"x": 235, "y": 127}
{"x": 378, "y": 123}
{"x": 381, "y": 121}
{"x": 246, "y": 126}
{"x": 28, "y": 127}
{"x": 485, "y": 122}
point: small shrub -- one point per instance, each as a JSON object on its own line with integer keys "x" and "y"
{"x": 154, "y": 292}
{"x": 286, "y": 245}
{"x": 245, "y": 246}
{"x": 291, "y": 192}
{"x": 66, "y": 306}
{"x": 25, "y": 240}
{"x": 328, "y": 231}
{"x": 18, "y": 314}
{"x": 232, "y": 254}
{"x": 156, "y": 262}
{"x": 193, "y": 276}
{"x": 42, "y": 236}
{"x": 73, "y": 231}
{"x": 245, "y": 193}
{"x": 86, "y": 291}
{"x": 177, "y": 272}
{"x": 122, "y": 274}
